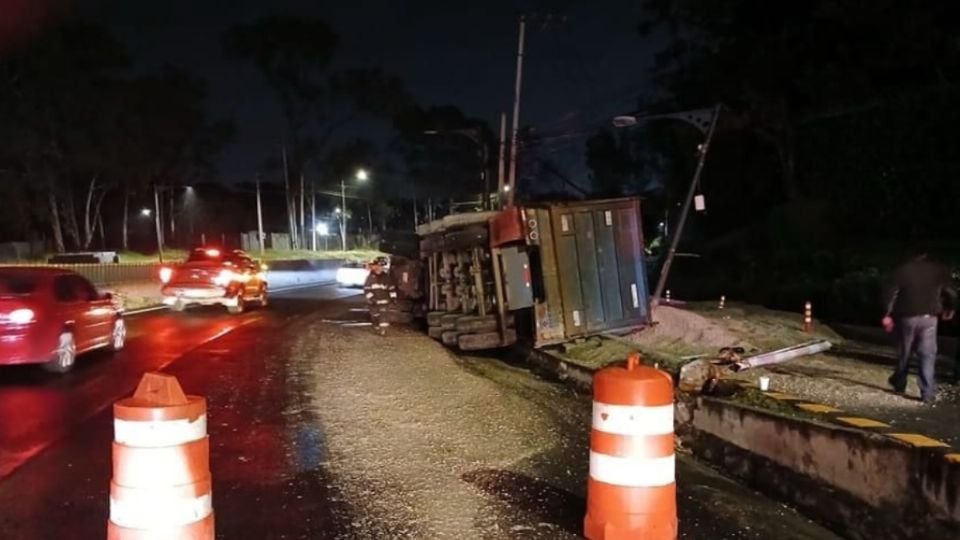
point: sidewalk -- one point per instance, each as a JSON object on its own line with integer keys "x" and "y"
{"x": 851, "y": 377}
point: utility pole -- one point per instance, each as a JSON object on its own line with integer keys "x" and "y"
{"x": 313, "y": 214}
{"x": 156, "y": 222}
{"x": 173, "y": 226}
{"x": 291, "y": 220}
{"x": 303, "y": 229}
{"x": 260, "y": 235}
{"x": 500, "y": 165}
{"x": 343, "y": 215}
{"x": 416, "y": 218}
{"x": 678, "y": 232}
{"x": 370, "y": 220}
{"x": 511, "y": 186}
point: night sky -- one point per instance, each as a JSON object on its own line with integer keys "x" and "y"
{"x": 579, "y": 72}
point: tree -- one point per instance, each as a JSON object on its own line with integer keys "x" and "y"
{"x": 49, "y": 123}
{"x": 780, "y": 66}
{"x": 439, "y": 148}
{"x": 78, "y": 130}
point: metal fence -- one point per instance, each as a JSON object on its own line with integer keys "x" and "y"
{"x": 110, "y": 274}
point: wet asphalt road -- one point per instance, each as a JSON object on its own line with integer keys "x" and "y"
{"x": 321, "y": 430}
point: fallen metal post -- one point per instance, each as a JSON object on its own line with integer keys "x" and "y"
{"x": 782, "y": 355}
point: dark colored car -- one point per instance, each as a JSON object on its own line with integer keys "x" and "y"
{"x": 50, "y": 315}
{"x": 211, "y": 276}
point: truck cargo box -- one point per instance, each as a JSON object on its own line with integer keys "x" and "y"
{"x": 589, "y": 260}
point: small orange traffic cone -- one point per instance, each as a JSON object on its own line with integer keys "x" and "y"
{"x": 161, "y": 465}
{"x": 631, "y": 489}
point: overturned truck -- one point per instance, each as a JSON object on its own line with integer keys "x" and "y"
{"x": 544, "y": 273}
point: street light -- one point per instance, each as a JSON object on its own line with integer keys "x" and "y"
{"x": 361, "y": 176}
{"x": 475, "y": 136}
{"x": 145, "y": 212}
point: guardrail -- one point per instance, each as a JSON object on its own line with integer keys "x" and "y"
{"x": 109, "y": 274}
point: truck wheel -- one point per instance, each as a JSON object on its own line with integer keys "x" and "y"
{"x": 488, "y": 340}
{"x": 475, "y": 324}
{"x": 434, "y": 318}
{"x": 449, "y": 338}
{"x": 449, "y": 321}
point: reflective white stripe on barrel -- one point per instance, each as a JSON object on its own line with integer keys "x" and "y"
{"x": 150, "y": 511}
{"x": 633, "y": 420}
{"x": 632, "y": 472}
{"x": 155, "y": 433}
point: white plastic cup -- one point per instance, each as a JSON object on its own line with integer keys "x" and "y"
{"x": 764, "y": 384}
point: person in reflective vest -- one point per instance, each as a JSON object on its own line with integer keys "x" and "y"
{"x": 381, "y": 292}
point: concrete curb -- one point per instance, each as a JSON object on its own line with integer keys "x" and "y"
{"x": 862, "y": 483}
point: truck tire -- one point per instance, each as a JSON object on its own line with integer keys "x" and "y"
{"x": 488, "y": 340}
{"x": 449, "y": 338}
{"x": 449, "y": 321}
{"x": 434, "y": 318}
{"x": 476, "y": 324}
{"x": 435, "y": 332}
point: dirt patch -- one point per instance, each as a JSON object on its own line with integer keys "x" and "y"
{"x": 686, "y": 332}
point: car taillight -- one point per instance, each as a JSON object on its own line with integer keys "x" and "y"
{"x": 165, "y": 274}
{"x": 21, "y": 316}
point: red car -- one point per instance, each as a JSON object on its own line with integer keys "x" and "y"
{"x": 50, "y": 315}
{"x": 212, "y": 276}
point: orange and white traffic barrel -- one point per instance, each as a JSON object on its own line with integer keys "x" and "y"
{"x": 161, "y": 486}
{"x": 631, "y": 490}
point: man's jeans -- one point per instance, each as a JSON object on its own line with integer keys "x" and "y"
{"x": 917, "y": 335}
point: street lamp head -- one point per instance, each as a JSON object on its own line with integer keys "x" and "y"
{"x": 506, "y": 188}
{"x": 145, "y": 212}
{"x": 624, "y": 121}
{"x": 337, "y": 210}
{"x": 362, "y": 175}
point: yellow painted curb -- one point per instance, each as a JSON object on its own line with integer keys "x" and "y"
{"x": 781, "y": 396}
{"x": 862, "y": 422}
{"x": 918, "y": 440}
{"x": 817, "y": 408}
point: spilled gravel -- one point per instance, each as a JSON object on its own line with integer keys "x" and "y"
{"x": 425, "y": 444}
{"x": 415, "y": 442}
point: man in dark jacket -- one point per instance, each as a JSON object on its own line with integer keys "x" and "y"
{"x": 919, "y": 294}
{"x": 381, "y": 292}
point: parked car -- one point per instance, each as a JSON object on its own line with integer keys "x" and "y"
{"x": 211, "y": 276}
{"x": 50, "y": 315}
